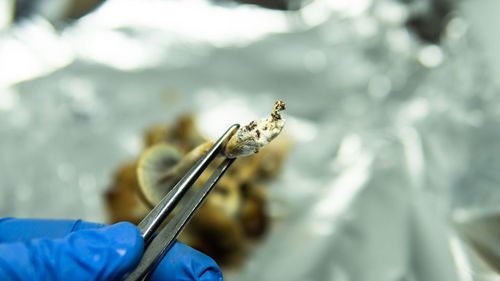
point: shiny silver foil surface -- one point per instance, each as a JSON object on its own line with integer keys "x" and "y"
{"x": 394, "y": 174}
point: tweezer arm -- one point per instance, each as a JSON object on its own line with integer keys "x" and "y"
{"x": 160, "y": 245}
{"x": 160, "y": 212}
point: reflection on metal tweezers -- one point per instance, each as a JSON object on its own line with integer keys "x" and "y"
{"x": 156, "y": 247}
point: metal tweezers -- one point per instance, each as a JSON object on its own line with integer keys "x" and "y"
{"x": 156, "y": 246}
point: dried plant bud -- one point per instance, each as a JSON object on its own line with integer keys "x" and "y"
{"x": 253, "y": 137}
{"x": 161, "y": 166}
{"x": 278, "y": 106}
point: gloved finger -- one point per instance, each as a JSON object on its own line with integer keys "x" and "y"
{"x": 185, "y": 263}
{"x": 99, "y": 254}
{"x": 12, "y": 229}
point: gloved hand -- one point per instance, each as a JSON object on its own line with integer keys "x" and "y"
{"x": 33, "y": 249}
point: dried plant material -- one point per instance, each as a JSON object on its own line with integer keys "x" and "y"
{"x": 182, "y": 134}
{"x": 122, "y": 200}
{"x": 161, "y": 166}
{"x": 233, "y": 217}
{"x": 253, "y": 137}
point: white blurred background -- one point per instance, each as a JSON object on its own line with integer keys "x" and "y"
{"x": 393, "y": 106}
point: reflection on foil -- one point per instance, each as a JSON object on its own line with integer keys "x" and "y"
{"x": 194, "y": 20}
{"x": 341, "y": 192}
{"x": 31, "y": 50}
{"x": 481, "y": 241}
{"x": 395, "y": 128}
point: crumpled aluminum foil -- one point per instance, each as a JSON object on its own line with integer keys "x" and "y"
{"x": 394, "y": 173}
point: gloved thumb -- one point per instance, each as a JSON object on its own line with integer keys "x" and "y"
{"x": 106, "y": 253}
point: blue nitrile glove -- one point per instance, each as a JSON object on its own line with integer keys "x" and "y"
{"x": 35, "y": 249}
